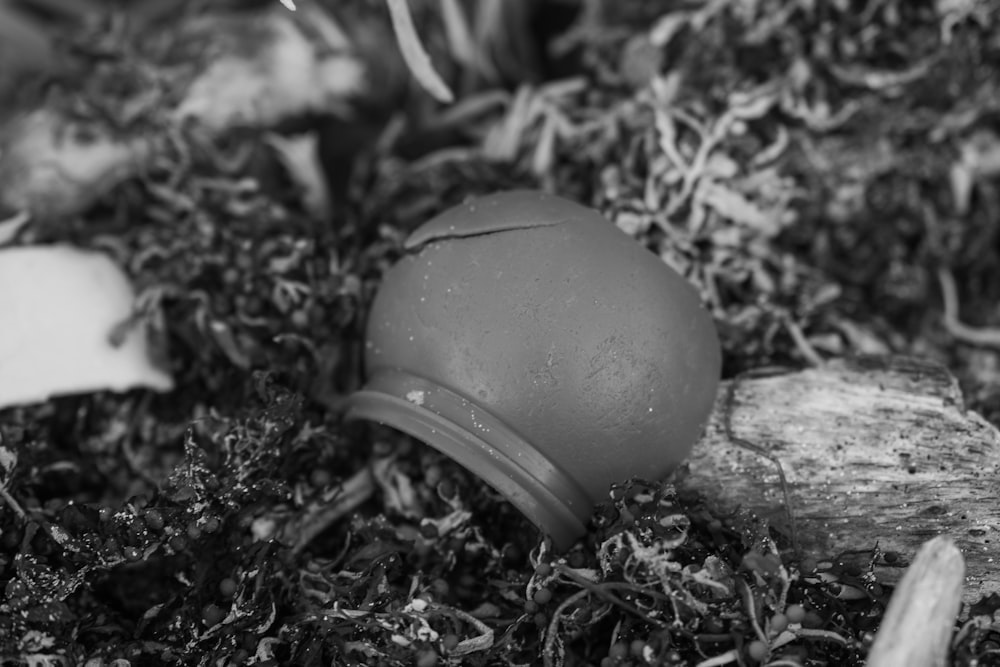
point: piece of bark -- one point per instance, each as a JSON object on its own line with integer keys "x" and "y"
{"x": 877, "y": 451}
{"x": 917, "y": 626}
{"x": 216, "y": 71}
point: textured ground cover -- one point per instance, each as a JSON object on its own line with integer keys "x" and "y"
{"x": 823, "y": 172}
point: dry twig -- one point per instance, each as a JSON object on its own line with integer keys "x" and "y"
{"x": 917, "y": 626}
{"x": 414, "y": 53}
{"x": 987, "y": 337}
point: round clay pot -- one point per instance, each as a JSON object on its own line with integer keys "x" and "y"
{"x": 535, "y": 343}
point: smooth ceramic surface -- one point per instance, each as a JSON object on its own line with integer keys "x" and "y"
{"x": 538, "y": 345}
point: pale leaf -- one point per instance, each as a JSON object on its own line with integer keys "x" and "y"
{"x": 62, "y": 311}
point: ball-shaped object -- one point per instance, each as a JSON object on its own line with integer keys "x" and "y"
{"x": 541, "y": 347}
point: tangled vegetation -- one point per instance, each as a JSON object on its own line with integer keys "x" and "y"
{"x": 824, "y": 171}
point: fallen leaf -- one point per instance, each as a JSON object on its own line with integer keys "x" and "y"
{"x": 65, "y": 314}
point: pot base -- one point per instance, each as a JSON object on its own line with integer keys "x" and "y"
{"x": 482, "y": 443}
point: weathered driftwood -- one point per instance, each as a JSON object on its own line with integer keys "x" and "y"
{"x": 917, "y": 627}
{"x": 875, "y": 451}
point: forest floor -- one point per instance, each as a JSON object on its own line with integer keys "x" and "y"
{"x": 823, "y": 171}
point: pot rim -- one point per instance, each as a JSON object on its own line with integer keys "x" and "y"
{"x": 481, "y": 442}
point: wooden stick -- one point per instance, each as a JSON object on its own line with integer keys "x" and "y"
{"x": 917, "y": 627}
{"x": 877, "y": 452}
